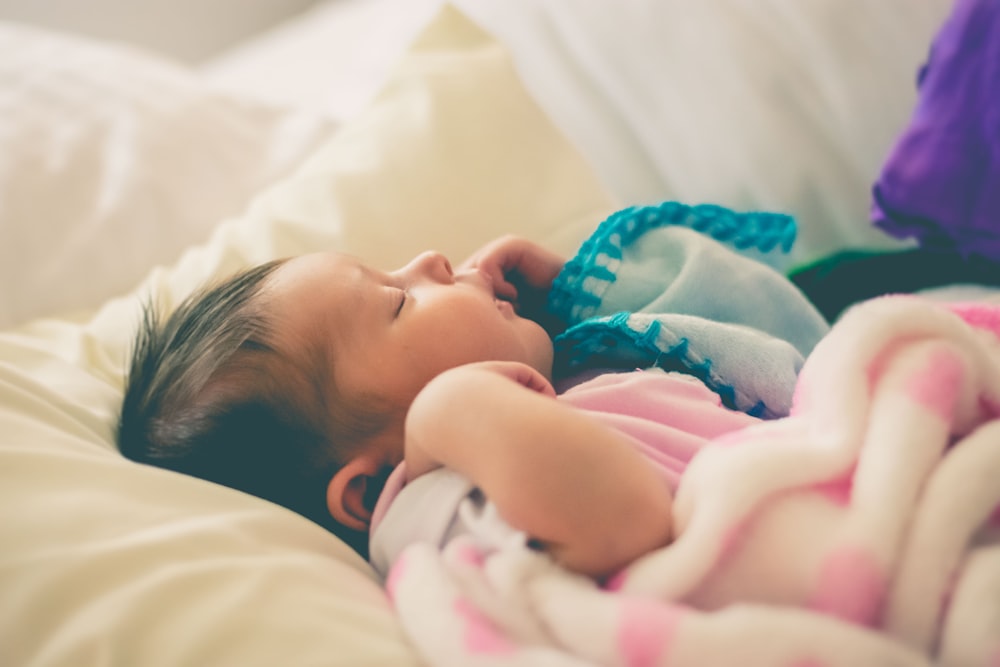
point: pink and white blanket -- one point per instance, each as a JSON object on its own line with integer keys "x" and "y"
{"x": 861, "y": 530}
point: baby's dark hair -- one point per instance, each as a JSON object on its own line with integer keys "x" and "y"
{"x": 210, "y": 393}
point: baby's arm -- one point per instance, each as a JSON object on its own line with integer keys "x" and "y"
{"x": 566, "y": 480}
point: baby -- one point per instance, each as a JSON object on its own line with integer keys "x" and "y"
{"x": 307, "y": 381}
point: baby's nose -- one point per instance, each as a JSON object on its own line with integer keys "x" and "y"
{"x": 435, "y": 266}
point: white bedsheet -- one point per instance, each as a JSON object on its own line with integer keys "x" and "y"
{"x": 332, "y": 58}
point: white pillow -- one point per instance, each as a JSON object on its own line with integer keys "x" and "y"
{"x": 786, "y": 105}
{"x": 112, "y": 161}
{"x": 104, "y": 561}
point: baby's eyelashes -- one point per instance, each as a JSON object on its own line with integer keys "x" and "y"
{"x": 403, "y": 296}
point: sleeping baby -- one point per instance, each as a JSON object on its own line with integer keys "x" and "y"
{"x": 635, "y": 472}
{"x": 311, "y": 381}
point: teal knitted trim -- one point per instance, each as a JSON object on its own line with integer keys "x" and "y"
{"x": 610, "y": 341}
{"x": 578, "y": 289}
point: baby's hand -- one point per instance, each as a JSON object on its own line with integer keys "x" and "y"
{"x": 522, "y": 374}
{"x": 517, "y": 264}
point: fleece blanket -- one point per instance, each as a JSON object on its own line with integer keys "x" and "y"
{"x": 860, "y": 530}
{"x": 688, "y": 288}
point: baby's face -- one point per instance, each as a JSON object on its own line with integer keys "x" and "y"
{"x": 385, "y": 335}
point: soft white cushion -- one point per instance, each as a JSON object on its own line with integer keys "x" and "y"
{"x": 113, "y": 160}
{"x": 787, "y": 105}
{"x": 107, "y": 562}
{"x": 334, "y": 57}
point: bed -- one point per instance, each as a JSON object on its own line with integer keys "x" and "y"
{"x": 125, "y": 174}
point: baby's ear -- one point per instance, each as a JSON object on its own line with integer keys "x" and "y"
{"x": 354, "y": 489}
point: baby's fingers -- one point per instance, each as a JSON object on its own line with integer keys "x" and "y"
{"x": 520, "y": 373}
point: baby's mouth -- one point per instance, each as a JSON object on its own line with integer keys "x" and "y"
{"x": 505, "y": 307}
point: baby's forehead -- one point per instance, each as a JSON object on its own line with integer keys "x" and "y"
{"x": 312, "y": 281}
{"x": 319, "y": 264}
{"x": 313, "y": 301}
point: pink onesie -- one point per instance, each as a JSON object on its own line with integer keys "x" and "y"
{"x": 668, "y": 416}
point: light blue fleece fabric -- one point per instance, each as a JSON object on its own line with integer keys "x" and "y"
{"x": 658, "y": 286}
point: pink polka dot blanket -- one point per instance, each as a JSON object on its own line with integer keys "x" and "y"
{"x": 863, "y": 529}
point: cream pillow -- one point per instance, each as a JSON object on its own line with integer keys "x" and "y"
{"x": 108, "y": 562}
{"x": 113, "y": 160}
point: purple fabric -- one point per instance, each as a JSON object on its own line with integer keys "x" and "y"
{"x": 941, "y": 183}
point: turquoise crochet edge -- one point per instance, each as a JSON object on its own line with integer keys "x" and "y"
{"x": 572, "y": 300}
{"x": 585, "y": 345}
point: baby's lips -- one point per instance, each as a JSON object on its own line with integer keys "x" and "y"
{"x": 505, "y": 307}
